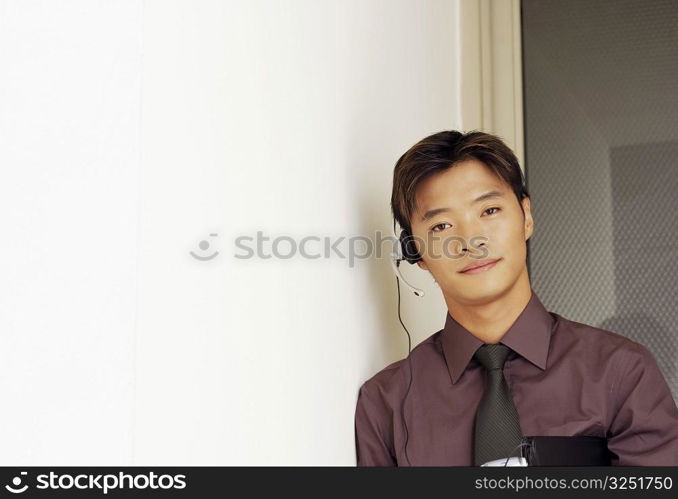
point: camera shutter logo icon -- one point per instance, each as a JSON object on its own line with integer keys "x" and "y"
{"x": 16, "y": 481}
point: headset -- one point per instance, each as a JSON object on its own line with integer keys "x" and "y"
{"x": 411, "y": 255}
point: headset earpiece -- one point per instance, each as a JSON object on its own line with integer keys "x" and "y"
{"x": 408, "y": 248}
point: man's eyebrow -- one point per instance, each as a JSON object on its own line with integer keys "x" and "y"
{"x": 488, "y": 195}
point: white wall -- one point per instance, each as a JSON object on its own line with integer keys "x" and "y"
{"x": 70, "y": 76}
{"x": 130, "y": 132}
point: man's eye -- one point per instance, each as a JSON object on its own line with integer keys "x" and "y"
{"x": 437, "y": 226}
{"x": 493, "y": 208}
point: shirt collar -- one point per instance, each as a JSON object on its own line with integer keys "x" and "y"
{"x": 529, "y": 336}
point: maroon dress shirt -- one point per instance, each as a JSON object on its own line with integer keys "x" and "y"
{"x": 566, "y": 379}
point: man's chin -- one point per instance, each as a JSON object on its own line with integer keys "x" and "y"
{"x": 477, "y": 294}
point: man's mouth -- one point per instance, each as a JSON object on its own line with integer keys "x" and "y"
{"x": 478, "y": 267}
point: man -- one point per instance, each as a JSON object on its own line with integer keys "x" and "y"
{"x": 503, "y": 367}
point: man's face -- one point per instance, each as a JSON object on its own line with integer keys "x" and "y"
{"x": 493, "y": 228}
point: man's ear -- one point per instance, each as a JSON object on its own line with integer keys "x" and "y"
{"x": 422, "y": 265}
{"x": 529, "y": 222}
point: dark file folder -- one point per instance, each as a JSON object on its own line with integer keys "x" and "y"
{"x": 566, "y": 451}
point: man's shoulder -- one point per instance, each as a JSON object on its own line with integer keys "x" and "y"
{"x": 395, "y": 375}
{"x": 595, "y": 338}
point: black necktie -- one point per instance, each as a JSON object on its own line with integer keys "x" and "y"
{"x": 497, "y": 427}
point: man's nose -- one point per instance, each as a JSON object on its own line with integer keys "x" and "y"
{"x": 472, "y": 235}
